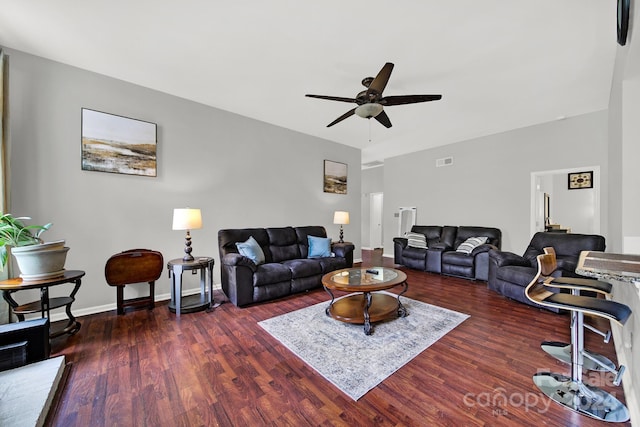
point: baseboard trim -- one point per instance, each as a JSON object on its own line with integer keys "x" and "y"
{"x": 56, "y": 317}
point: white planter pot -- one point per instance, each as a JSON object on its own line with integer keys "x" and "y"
{"x": 57, "y": 244}
{"x": 42, "y": 261}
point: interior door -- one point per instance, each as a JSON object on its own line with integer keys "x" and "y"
{"x": 375, "y": 222}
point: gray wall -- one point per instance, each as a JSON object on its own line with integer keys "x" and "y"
{"x": 490, "y": 180}
{"x": 239, "y": 171}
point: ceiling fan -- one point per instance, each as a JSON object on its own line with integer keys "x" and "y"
{"x": 371, "y": 103}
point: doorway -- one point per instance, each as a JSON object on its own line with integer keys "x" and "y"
{"x": 576, "y": 210}
{"x": 375, "y": 220}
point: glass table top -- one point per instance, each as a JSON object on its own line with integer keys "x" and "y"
{"x": 364, "y": 276}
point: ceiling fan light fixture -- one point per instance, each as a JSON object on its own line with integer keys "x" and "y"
{"x": 369, "y": 110}
{"x": 370, "y": 102}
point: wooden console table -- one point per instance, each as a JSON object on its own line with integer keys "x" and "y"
{"x": 45, "y": 304}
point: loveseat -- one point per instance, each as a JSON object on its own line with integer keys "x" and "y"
{"x": 457, "y": 251}
{"x": 509, "y": 273}
{"x": 294, "y": 259}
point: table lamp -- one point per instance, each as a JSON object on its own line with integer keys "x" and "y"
{"x": 187, "y": 219}
{"x": 341, "y": 217}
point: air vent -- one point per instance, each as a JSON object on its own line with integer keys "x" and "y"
{"x": 373, "y": 164}
{"x": 445, "y": 161}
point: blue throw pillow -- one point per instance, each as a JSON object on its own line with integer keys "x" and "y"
{"x": 252, "y": 250}
{"x": 319, "y": 247}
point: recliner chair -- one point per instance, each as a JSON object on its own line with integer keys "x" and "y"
{"x": 473, "y": 265}
{"x": 510, "y": 274}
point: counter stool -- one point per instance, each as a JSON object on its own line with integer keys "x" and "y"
{"x": 134, "y": 266}
{"x": 561, "y": 350}
{"x": 571, "y": 391}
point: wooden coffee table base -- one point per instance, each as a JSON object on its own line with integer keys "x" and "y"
{"x": 366, "y": 308}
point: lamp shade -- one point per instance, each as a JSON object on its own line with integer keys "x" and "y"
{"x": 186, "y": 219}
{"x": 341, "y": 217}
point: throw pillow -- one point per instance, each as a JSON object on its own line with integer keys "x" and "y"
{"x": 470, "y": 244}
{"x": 252, "y": 250}
{"x": 319, "y": 247}
{"x": 416, "y": 240}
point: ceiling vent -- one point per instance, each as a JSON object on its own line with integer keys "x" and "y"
{"x": 373, "y": 164}
{"x": 445, "y": 161}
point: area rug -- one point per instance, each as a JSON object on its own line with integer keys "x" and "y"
{"x": 351, "y": 360}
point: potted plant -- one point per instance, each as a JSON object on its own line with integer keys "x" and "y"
{"x": 36, "y": 259}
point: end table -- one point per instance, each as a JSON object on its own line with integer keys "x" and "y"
{"x": 191, "y": 303}
{"x": 45, "y": 304}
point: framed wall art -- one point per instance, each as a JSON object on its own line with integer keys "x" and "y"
{"x": 335, "y": 177}
{"x": 116, "y": 144}
{"x": 579, "y": 180}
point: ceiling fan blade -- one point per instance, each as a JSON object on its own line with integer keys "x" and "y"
{"x": 384, "y": 119}
{"x": 408, "y": 99}
{"x": 342, "y": 117}
{"x": 380, "y": 82}
{"x": 332, "y": 98}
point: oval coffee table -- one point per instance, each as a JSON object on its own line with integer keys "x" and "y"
{"x": 365, "y": 305}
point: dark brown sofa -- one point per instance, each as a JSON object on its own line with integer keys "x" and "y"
{"x": 442, "y": 254}
{"x": 287, "y": 268}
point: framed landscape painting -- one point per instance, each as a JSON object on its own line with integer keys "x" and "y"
{"x": 335, "y": 177}
{"x": 117, "y": 144}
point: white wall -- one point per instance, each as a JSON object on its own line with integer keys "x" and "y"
{"x": 624, "y": 199}
{"x": 573, "y": 209}
{"x": 490, "y": 179}
{"x": 239, "y": 171}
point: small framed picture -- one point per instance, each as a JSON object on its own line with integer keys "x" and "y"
{"x": 335, "y": 177}
{"x": 580, "y": 180}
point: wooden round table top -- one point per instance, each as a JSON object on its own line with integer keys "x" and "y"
{"x": 18, "y": 283}
{"x": 363, "y": 279}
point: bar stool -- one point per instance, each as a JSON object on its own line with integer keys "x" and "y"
{"x": 561, "y": 350}
{"x": 571, "y": 391}
{"x": 134, "y": 266}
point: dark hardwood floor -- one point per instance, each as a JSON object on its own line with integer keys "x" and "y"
{"x": 148, "y": 368}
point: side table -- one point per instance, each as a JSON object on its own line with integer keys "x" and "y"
{"x": 45, "y": 304}
{"x": 191, "y": 303}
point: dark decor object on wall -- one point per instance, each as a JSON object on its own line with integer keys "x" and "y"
{"x": 623, "y": 21}
{"x": 117, "y": 144}
{"x": 335, "y": 177}
{"x": 579, "y": 180}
